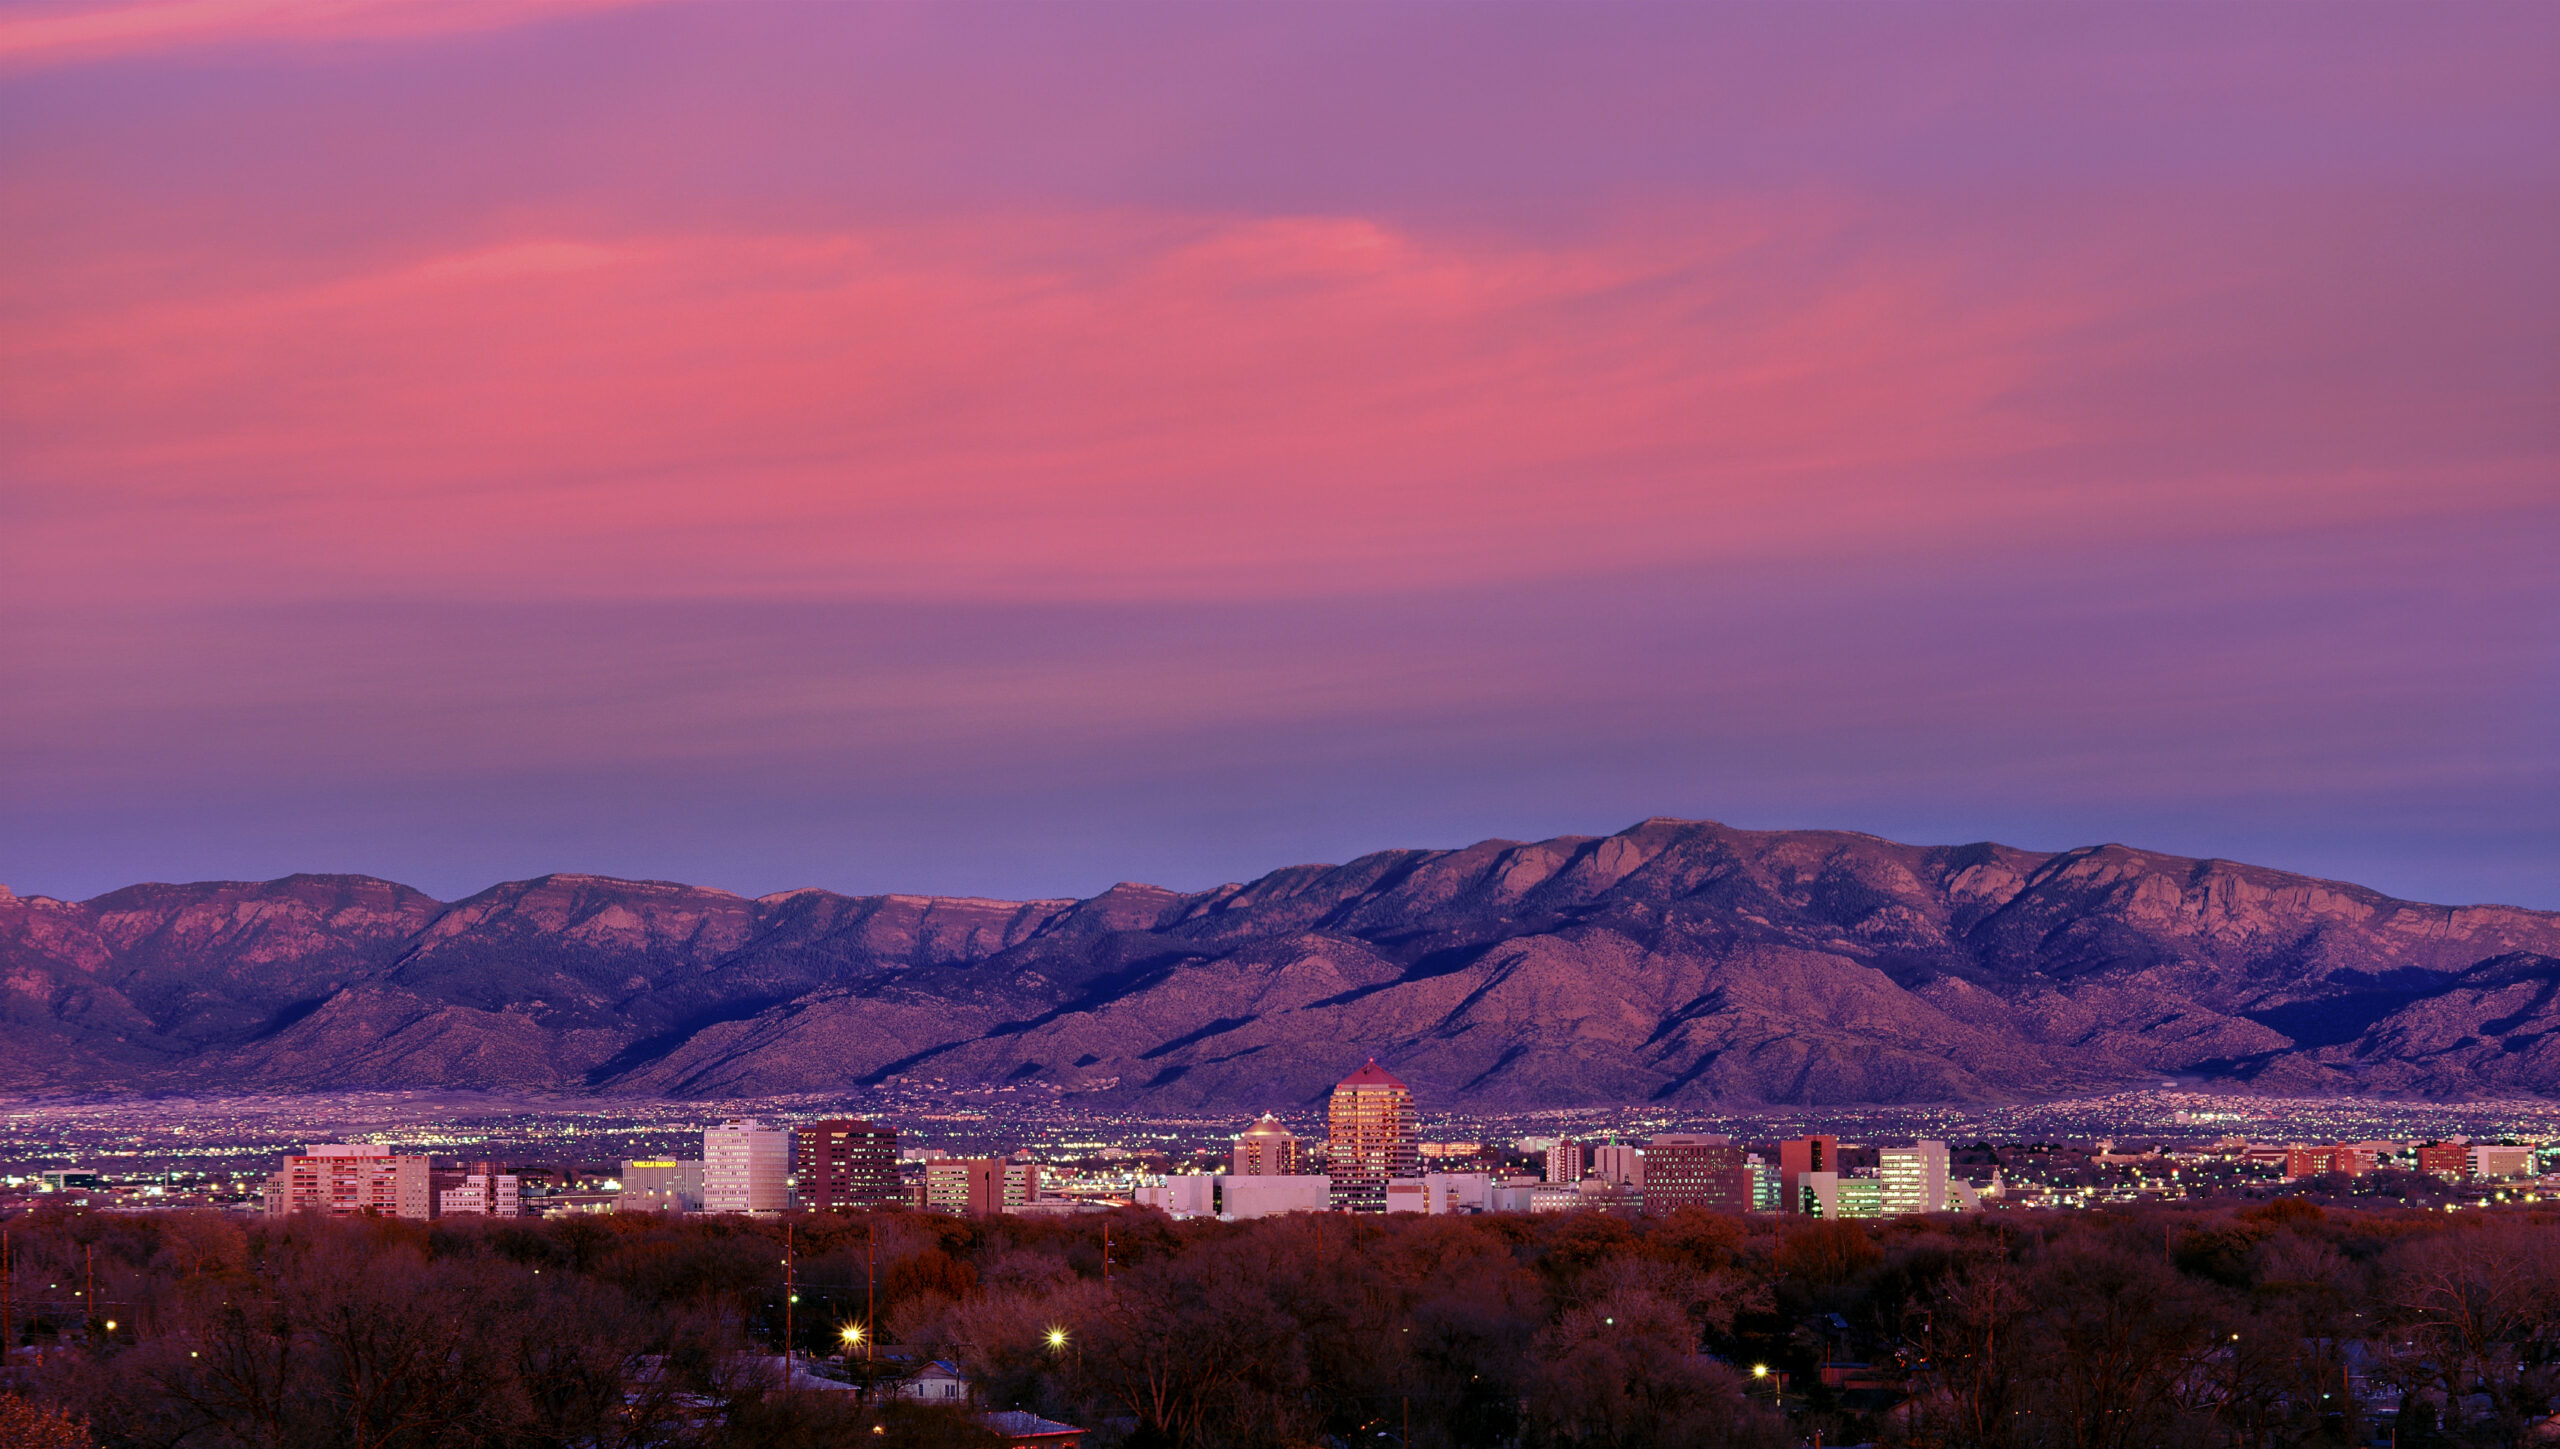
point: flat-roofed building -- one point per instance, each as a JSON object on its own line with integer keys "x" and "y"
{"x": 2302, "y": 1162}
{"x": 1567, "y": 1161}
{"x": 2445, "y": 1159}
{"x": 660, "y": 1185}
{"x": 1766, "y": 1195}
{"x": 845, "y": 1164}
{"x": 1020, "y": 1186}
{"x": 1914, "y": 1177}
{"x": 964, "y": 1186}
{"x": 1817, "y": 1153}
{"x": 1860, "y": 1197}
{"x": 746, "y": 1168}
{"x": 1815, "y": 1194}
{"x": 1441, "y": 1193}
{"x": 483, "y": 1192}
{"x": 2494, "y": 1160}
{"x": 1262, "y": 1195}
{"x": 1695, "y": 1169}
{"x": 352, "y": 1179}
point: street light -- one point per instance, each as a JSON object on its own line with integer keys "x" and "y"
{"x": 1057, "y": 1338}
{"x": 852, "y": 1336}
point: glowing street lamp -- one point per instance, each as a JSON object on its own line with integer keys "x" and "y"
{"x": 852, "y": 1335}
{"x": 1057, "y": 1338}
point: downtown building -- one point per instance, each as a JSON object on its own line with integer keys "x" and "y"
{"x": 1369, "y": 1138}
{"x": 352, "y": 1179}
{"x": 1268, "y": 1149}
{"x": 846, "y": 1165}
{"x": 979, "y": 1186}
{"x": 1618, "y": 1164}
{"x": 483, "y": 1192}
{"x": 1915, "y": 1178}
{"x": 1699, "y": 1170}
{"x": 660, "y": 1185}
{"x": 1567, "y": 1162}
{"x": 1800, "y": 1159}
{"x": 746, "y": 1168}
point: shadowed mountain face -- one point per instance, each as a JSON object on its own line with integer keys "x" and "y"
{"x": 1674, "y": 961}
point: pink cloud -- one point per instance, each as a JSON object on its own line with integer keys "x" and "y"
{"x": 58, "y": 34}
{"x": 1136, "y": 404}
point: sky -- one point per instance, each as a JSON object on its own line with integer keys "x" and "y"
{"x": 1009, "y": 449}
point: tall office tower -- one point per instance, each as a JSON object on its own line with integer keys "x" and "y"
{"x": 964, "y": 1186}
{"x": 356, "y": 1179}
{"x": 1619, "y": 1163}
{"x": 1915, "y": 1178}
{"x": 1696, "y": 1169}
{"x": 842, "y": 1165}
{"x": 1818, "y": 1153}
{"x": 660, "y": 1185}
{"x": 746, "y": 1168}
{"x": 1566, "y": 1162}
{"x": 1268, "y": 1149}
{"x": 1368, "y": 1137}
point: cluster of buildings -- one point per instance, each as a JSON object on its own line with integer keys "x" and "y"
{"x": 745, "y": 1167}
{"x": 1369, "y": 1161}
{"x": 2454, "y": 1161}
{"x": 1372, "y": 1164}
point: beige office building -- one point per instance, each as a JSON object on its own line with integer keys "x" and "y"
{"x": 746, "y": 1168}
{"x": 351, "y": 1179}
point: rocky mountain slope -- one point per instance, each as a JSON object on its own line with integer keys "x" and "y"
{"x": 1681, "y": 961}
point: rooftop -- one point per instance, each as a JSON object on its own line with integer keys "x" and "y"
{"x": 1372, "y": 1075}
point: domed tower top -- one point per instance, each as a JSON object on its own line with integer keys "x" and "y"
{"x": 1268, "y": 1149}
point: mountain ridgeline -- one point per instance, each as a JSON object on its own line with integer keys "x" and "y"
{"x": 1674, "y": 961}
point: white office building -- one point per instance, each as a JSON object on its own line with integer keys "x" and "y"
{"x": 746, "y": 1168}
{"x": 484, "y": 1194}
{"x": 1915, "y": 1178}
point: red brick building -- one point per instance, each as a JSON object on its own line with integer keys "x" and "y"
{"x": 845, "y": 1164}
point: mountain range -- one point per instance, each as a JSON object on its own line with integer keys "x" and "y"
{"x": 1675, "y": 961}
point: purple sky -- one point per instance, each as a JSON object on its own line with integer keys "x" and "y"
{"x": 1008, "y": 449}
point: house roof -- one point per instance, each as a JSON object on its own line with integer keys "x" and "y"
{"x": 1023, "y": 1424}
{"x": 1372, "y": 1075}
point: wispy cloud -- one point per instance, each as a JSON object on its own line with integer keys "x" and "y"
{"x": 44, "y": 34}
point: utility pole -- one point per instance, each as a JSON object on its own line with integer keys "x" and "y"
{"x": 1106, "y": 1256}
{"x": 93, "y": 1288}
{"x": 790, "y": 1296}
{"x": 8, "y": 1325}
{"x": 871, "y": 1294}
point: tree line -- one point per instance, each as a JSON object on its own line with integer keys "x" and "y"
{"x": 2264, "y": 1325}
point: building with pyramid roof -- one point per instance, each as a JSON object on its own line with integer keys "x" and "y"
{"x": 1369, "y": 1137}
